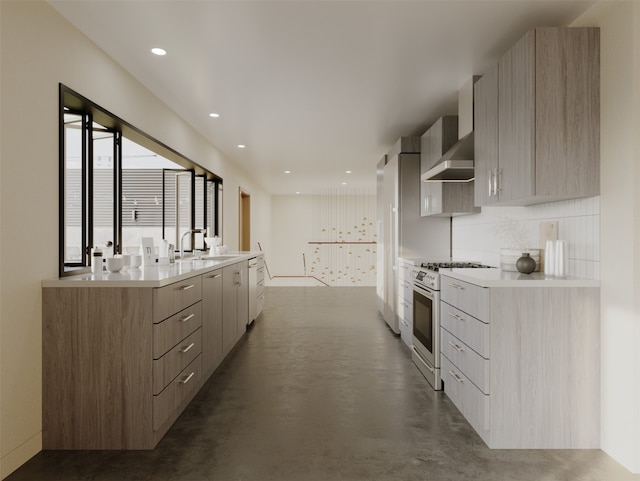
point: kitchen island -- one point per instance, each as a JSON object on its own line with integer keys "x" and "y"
{"x": 124, "y": 353}
{"x": 521, "y": 356}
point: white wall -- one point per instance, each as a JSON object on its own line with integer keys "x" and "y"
{"x": 480, "y": 237}
{"x": 619, "y": 24}
{"x": 323, "y": 219}
{"x": 39, "y": 50}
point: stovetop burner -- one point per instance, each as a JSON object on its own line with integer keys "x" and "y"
{"x": 435, "y": 266}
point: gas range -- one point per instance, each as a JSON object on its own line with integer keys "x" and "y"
{"x": 427, "y": 274}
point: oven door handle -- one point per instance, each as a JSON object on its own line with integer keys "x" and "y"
{"x": 424, "y": 363}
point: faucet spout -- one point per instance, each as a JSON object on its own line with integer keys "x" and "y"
{"x": 190, "y": 231}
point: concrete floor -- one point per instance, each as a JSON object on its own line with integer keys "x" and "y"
{"x": 321, "y": 390}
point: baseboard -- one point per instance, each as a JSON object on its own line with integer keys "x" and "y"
{"x": 20, "y": 455}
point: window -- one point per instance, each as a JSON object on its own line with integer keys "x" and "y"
{"x": 118, "y": 185}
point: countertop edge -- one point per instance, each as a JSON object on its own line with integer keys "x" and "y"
{"x": 498, "y": 278}
{"x": 150, "y": 276}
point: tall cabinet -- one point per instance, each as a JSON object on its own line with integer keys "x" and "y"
{"x": 541, "y": 108}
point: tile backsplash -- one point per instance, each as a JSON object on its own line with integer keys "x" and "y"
{"x": 479, "y": 237}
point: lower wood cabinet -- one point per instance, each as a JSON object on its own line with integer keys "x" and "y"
{"x": 522, "y": 364}
{"x": 120, "y": 364}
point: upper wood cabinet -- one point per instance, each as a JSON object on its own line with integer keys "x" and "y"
{"x": 548, "y": 120}
{"x": 486, "y": 137}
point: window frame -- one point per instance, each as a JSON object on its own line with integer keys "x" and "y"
{"x": 72, "y": 102}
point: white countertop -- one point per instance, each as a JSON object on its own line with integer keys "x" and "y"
{"x": 150, "y": 276}
{"x": 500, "y": 278}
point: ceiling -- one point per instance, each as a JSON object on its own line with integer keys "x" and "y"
{"x": 313, "y": 87}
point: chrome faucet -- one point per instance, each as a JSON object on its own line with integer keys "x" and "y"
{"x": 190, "y": 231}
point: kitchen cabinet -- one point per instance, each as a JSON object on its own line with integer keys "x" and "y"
{"x": 212, "y": 321}
{"x": 119, "y": 363}
{"x": 442, "y": 198}
{"x": 235, "y": 304}
{"x": 405, "y": 302}
{"x": 522, "y": 363}
{"x": 548, "y": 114}
{"x": 122, "y": 358}
{"x": 486, "y": 138}
{"x": 256, "y": 287}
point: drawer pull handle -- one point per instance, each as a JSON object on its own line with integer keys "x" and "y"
{"x": 456, "y": 316}
{"x": 187, "y": 379}
{"x": 457, "y": 286}
{"x": 185, "y": 288}
{"x": 456, "y": 347}
{"x": 215, "y": 276}
{"x": 456, "y": 377}
{"x": 188, "y": 348}
{"x": 186, "y": 318}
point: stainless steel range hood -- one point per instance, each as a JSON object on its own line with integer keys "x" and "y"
{"x": 456, "y": 164}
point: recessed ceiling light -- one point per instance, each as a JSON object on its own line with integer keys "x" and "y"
{"x": 348, "y": 171}
{"x": 287, "y": 171}
{"x": 241, "y": 146}
{"x": 297, "y": 191}
{"x": 158, "y": 51}
{"x": 344, "y": 183}
{"x": 214, "y": 115}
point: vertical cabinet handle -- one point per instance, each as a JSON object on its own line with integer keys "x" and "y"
{"x": 490, "y": 182}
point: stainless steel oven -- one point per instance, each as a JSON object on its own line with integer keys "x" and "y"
{"x": 426, "y": 318}
{"x": 426, "y": 326}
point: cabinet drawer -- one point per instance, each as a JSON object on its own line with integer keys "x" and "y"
{"x": 468, "y": 329}
{"x": 472, "y": 403}
{"x": 406, "y": 332}
{"x": 170, "y": 332}
{"x": 474, "y": 366}
{"x": 472, "y": 299}
{"x": 178, "y": 391}
{"x": 407, "y": 291}
{"x": 170, "y": 299}
{"x": 260, "y": 302}
{"x": 169, "y": 366}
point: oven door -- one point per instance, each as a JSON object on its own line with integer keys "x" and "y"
{"x": 426, "y": 324}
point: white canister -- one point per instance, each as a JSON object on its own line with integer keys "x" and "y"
{"x": 561, "y": 258}
{"x": 550, "y": 258}
{"x": 96, "y": 260}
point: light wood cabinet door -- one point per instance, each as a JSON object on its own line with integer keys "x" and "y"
{"x": 486, "y": 138}
{"x": 567, "y": 112}
{"x": 243, "y": 297}
{"x": 516, "y": 146}
{"x": 230, "y": 280}
{"x": 548, "y": 119}
{"x": 212, "y": 300}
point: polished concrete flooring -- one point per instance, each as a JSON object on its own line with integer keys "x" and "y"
{"x": 321, "y": 390}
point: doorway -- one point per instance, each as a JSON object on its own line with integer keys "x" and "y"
{"x": 245, "y": 220}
